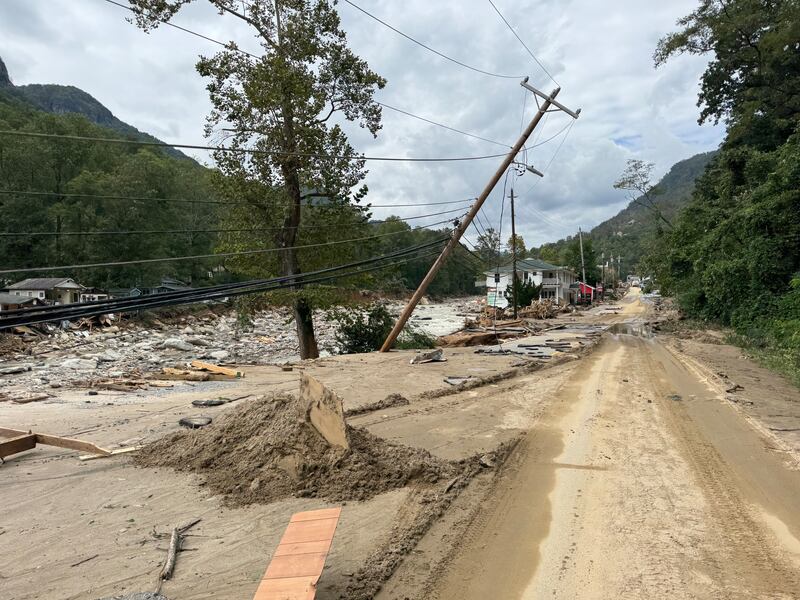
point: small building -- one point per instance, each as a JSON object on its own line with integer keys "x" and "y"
{"x": 168, "y": 284}
{"x": 584, "y": 293}
{"x": 92, "y": 294}
{"x": 555, "y": 281}
{"x": 50, "y": 290}
{"x": 15, "y": 302}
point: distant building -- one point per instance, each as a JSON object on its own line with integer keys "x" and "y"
{"x": 49, "y": 290}
{"x": 555, "y": 281}
{"x": 92, "y": 294}
{"x": 15, "y": 301}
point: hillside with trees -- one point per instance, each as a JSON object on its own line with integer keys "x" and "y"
{"x": 69, "y": 202}
{"x": 733, "y": 255}
{"x": 631, "y": 232}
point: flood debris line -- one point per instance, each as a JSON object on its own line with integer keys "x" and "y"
{"x": 280, "y": 445}
{"x": 172, "y": 554}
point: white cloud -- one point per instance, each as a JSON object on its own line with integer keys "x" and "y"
{"x": 600, "y": 53}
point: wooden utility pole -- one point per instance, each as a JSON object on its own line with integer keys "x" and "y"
{"x": 462, "y": 227}
{"x": 513, "y": 256}
{"x": 583, "y": 266}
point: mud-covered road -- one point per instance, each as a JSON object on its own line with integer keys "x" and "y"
{"x": 637, "y": 481}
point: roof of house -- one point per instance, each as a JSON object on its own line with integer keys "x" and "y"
{"x": 14, "y": 299}
{"x": 45, "y": 283}
{"x": 528, "y": 264}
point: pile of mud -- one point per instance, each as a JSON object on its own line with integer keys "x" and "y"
{"x": 265, "y": 450}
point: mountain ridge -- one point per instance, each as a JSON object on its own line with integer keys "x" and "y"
{"x": 65, "y": 99}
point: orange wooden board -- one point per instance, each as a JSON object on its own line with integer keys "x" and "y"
{"x": 299, "y": 559}
{"x": 291, "y": 588}
{"x": 309, "y": 531}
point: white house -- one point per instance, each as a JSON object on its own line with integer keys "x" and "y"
{"x": 555, "y": 281}
{"x": 50, "y": 290}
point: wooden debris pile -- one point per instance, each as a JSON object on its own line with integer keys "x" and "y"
{"x": 200, "y": 371}
{"x": 540, "y": 309}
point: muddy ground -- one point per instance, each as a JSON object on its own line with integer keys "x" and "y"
{"x": 631, "y": 473}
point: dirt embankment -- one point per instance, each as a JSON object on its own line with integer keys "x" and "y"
{"x": 265, "y": 451}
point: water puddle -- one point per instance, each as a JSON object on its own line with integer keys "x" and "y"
{"x": 635, "y": 329}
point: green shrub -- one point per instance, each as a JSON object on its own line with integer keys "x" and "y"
{"x": 364, "y": 330}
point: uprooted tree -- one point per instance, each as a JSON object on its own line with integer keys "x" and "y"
{"x": 274, "y": 112}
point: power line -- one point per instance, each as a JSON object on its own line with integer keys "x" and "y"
{"x": 197, "y": 256}
{"x": 116, "y": 303}
{"x": 477, "y": 137}
{"x": 243, "y": 150}
{"x": 55, "y": 313}
{"x": 190, "y": 201}
{"x": 189, "y": 31}
{"x": 234, "y": 230}
{"x": 538, "y": 62}
{"x": 428, "y": 48}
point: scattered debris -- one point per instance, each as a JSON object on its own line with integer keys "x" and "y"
{"x": 195, "y": 422}
{"x": 540, "y": 309}
{"x": 30, "y": 397}
{"x": 204, "y": 366}
{"x": 174, "y": 547}
{"x": 20, "y": 440}
{"x": 426, "y": 357}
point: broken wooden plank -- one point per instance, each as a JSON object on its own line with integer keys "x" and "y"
{"x": 17, "y": 444}
{"x": 70, "y": 444}
{"x": 204, "y": 366}
{"x": 129, "y": 449}
{"x": 53, "y": 440}
{"x": 30, "y": 398}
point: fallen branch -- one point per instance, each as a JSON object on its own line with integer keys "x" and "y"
{"x": 85, "y": 560}
{"x": 172, "y": 555}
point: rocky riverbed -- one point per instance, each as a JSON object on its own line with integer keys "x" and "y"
{"x": 67, "y": 357}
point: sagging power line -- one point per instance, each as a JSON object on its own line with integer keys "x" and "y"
{"x": 222, "y": 230}
{"x": 200, "y": 201}
{"x": 428, "y": 48}
{"x": 257, "y": 151}
{"x": 62, "y": 312}
{"x": 200, "y": 256}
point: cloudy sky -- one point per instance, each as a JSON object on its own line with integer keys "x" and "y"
{"x": 600, "y": 53}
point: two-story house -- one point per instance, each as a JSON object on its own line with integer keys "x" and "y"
{"x": 555, "y": 281}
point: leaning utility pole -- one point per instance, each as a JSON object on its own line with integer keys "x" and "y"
{"x": 462, "y": 227}
{"x": 513, "y": 256}
{"x": 583, "y": 266}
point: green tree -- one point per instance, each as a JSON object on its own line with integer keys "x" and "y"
{"x": 488, "y": 246}
{"x": 520, "y": 243}
{"x": 636, "y": 180}
{"x": 571, "y": 258}
{"x": 281, "y": 105}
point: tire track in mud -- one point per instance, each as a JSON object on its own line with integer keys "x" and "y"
{"x": 748, "y": 561}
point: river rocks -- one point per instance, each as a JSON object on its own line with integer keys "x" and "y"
{"x": 79, "y": 364}
{"x": 177, "y": 344}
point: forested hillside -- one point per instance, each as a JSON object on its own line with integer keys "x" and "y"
{"x": 67, "y": 99}
{"x": 631, "y": 232}
{"x": 69, "y": 202}
{"x": 733, "y": 255}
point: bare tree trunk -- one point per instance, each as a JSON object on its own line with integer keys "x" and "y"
{"x": 303, "y": 313}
